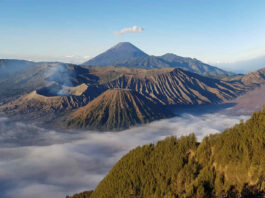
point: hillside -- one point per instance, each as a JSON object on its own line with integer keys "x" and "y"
{"x": 175, "y": 86}
{"x": 33, "y": 78}
{"x": 116, "y": 109}
{"x": 127, "y": 55}
{"x": 194, "y": 65}
{"x": 147, "y": 62}
{"x": 228, "y": 164}
{"x": 54, "y": 90}
{"x": 10, "y": 66}
{"x": 254, "y": 78}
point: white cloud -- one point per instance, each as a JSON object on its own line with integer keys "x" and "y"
{"x": 36, "y": 161}
{"x": 130, "y": 30}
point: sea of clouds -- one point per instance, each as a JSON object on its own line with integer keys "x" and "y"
{"x": 40, "y": 162}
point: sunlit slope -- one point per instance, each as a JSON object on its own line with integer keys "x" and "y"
{"x": 229, "y": 164}
{"x": 256, "y": 77}
{"x": 116, "y": 109}
{"x": 176, "y": 86}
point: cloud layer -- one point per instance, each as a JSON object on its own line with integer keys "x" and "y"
{"x": 133, "y": 29}
{"x": 39, "y": 162}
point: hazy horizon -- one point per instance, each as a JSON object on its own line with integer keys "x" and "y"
{"x": 241, "y": 66}
{"x": 77, "y": 31}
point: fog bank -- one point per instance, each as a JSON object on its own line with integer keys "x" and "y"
{"x": 37, "y": 162}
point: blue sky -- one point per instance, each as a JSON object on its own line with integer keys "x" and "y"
{"x": 210, "y": 30}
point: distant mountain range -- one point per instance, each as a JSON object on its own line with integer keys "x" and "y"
{"x": 127, "y": 55}
{"x": 244, "y": 66}
{"x": 100, "y": 97}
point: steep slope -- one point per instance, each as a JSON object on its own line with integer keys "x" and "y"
{"x": 254, "y": 78}
{"x": 116, "y": 109}
{"x": 121, "y": 51}
{"x": 175, "y": 86}
{"x": 228, "y": 164}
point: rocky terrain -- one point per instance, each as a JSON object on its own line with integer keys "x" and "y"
{"x": 117, "y": 109}
{"x": 175, "y": 86}
{"x": 93, "y": 96}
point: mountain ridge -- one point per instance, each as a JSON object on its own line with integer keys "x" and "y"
{"x": 149, "y": 62}
{"x": 176, "y": 86}
{"x": 65, "y": 88}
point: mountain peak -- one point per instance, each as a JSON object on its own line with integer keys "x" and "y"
{"x": 125, "y": 54}
{"x": 120, "y": 52}
{"x": 124, "y": 44}
{"x": 122, "y": 47}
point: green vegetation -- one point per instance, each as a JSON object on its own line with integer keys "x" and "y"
{"x": 85, "y": 194}
{"x": 229, "y": 164}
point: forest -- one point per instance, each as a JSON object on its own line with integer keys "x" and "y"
{"x": 227, "y": 164}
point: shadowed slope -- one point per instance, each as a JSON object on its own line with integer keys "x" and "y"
{"x": 10, "y": 66}
{"x": 33, "y": 78}
{"x": 125, "y": 54}
{"x": 174, "y": 61}
{"x": 116, "y": 109}
{"x": 175, "y": 86}
{"x": 193, "y": 65}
